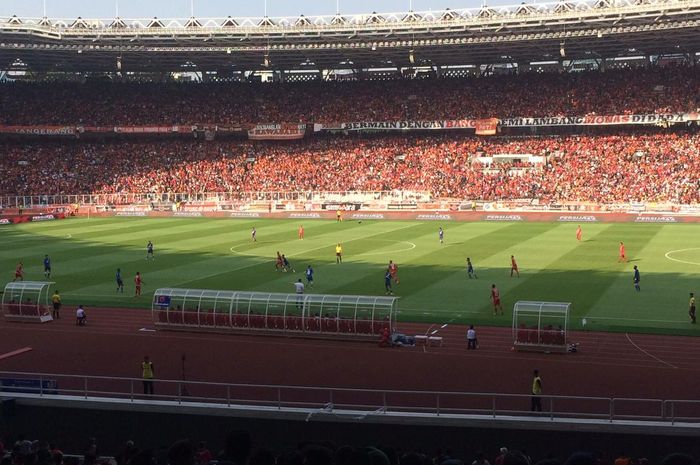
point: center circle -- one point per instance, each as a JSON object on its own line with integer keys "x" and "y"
{"x": 671, "y": 252}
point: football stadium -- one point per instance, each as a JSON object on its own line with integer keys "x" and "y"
{"x": 442, "y": 237}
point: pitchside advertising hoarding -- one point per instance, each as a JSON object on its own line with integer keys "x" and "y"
{"x": 15, "y": 219}
{"x": 244, "y": 215}
{"x": 305, "y": 215}
{"x": 577, "y": 218}
{"x": 423, "y": 215}
{"x": 367, "y": 216}
{"x": 655, "y": 219}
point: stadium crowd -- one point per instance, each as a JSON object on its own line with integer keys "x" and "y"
{"x": 625, "y": 91}
{"x": 238, "y": 450}
{"x": 632, "y": 167}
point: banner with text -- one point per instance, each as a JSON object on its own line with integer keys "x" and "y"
{"x": 404, "y": 125}
{"x": 490, "y": 125}
{"x": 288, "y": 131}
{"x": 146, "y": 129}
{"x": 602, "y": 120}
{"x": 487, "y": 127}
{"x": 38, "y": 130}
{"x": 281, "y": 131}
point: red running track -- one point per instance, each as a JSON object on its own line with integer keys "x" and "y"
{"x": 607, "y": 364}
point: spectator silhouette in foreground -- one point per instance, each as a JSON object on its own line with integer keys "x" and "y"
{"x": 236, "y": 449}
{"x": 181, "y": 453}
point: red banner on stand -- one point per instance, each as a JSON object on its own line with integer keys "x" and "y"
{"x": 487, "y": 127}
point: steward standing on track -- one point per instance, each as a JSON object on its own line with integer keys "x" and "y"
{"x": 148, "y": 375}
{"x": 536, "y": 404}
{"x": 56, "y": 300}
{"x": 691, "y": 308}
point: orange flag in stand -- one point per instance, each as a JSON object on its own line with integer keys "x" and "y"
{"x": 487, "y": 127}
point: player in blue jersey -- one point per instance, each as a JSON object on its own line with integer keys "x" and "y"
{"x": 470, "y": 269}
{"x": 47, "y": 266}
{"x": 309, "y": 276}
{"x": 149, "y": 251}
{"x": 387, "y": 282}
{"x": 286, "y": 266}
{"x": 120, "y": 282}
{"x": 635, "y": 280}
{"x": 441, "y": 235}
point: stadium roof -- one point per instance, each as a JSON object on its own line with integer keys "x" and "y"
{"x": 587, "y": 29}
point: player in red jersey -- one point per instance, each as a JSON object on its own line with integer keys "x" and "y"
{"x": 496, "y": 299}
{"x": 579, "y": 233}
{"x": 513, "y": 267}
{"x": 393, "y": 270}
{"x": 19, "y": 272}
{"x": 623, "y": 256}
{"x": 301, "y": 232}
{"x": 279, "y": 263}
{"x": 137, "y": 284}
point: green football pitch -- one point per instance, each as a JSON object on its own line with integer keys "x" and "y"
{"x": 219, "y": 254}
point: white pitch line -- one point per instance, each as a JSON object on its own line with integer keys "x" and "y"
{"x": 681, "y": 261}
{"x": 439, "y": 312}
{"x": 232, "y": 249}
{"x": 592, "y": 318}
{"x": 384, "y": 252}
{"x": 650, "y": 355}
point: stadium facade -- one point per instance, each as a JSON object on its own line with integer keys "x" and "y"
{"x": 566, "y": 32}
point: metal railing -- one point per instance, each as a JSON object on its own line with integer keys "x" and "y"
{"x": 425, "y": 403}
{"x": 135, "y": 198}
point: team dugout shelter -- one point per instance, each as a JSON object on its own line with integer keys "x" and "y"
{"x": 306, "y": 315}
{"x": 541, "y": 326}
{"x": 27, "y": 301}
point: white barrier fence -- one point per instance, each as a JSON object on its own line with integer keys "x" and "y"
{"x": 423, "y": 403}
